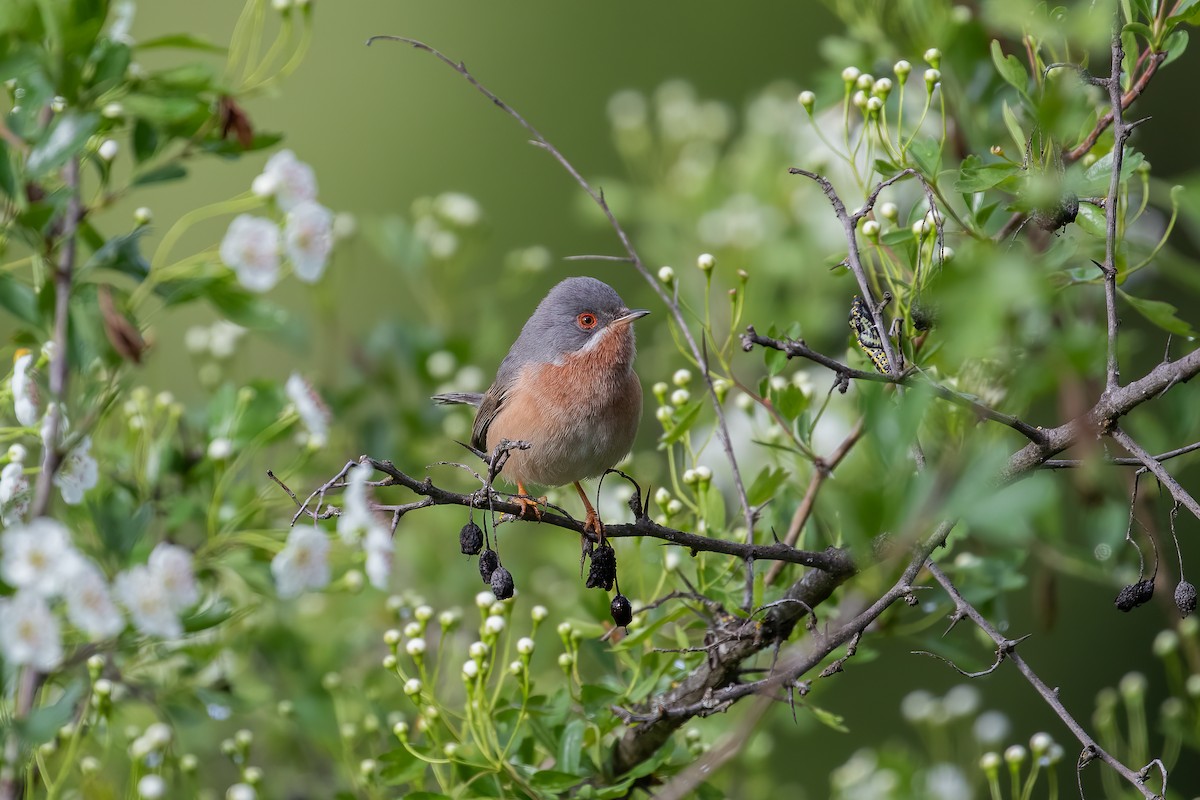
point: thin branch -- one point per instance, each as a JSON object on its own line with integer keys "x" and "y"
{"x": 1072, "y": 463}
{"x": 822, "y": 469}
{"x": 1102, "y": 124}
{"x": 1050, "y": 696}
{"x": 1121, "y": 133}
{"x": 598, "y": 198}
{"x": 1181, "y": 495}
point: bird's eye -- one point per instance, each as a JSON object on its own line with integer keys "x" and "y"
{"x": 586, "y": 320}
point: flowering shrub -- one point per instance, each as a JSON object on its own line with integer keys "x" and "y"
{"x": 176, "y": 620}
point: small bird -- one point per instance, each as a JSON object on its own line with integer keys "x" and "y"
{"x": 567, "y": 387}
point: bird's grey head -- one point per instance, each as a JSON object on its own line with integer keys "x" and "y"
{"x": 576, "y": 313}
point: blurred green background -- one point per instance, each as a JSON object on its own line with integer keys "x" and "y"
{"x": 384, "y": 126}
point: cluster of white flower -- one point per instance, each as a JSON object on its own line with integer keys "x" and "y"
{"x": 438, "y": 222}
{"x": 157, "y": 592}
{"x": 303, "y": 563}
{"x": 253, "y": 246}
{"x": 39, "y": 561}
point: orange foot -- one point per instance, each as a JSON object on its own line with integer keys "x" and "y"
{"x": 526, "y": 502}
{"x": 591, "y": 521}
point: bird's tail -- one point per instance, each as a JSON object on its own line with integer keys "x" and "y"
{"x": 458, "y": 398}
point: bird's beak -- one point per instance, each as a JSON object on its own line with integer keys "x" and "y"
{"x": 629, "y": 316}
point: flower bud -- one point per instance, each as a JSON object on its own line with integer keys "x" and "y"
{"x": 151, "y": 787}
{"x": 865, "y": 81}
{"x": 108, "y": 149}
{"x": 95, "y": 663}
{"x": 142, "y": 215}
{"x": 447, "y": 619}
{"x": 1133, "y": 686}
{"x": 808, "y": 100}
{"x": 681, "y": 377}
{"x": 666, "y": 275}
{"x": 1040, "y": 743}
{"x": 525, "y": 645}
{"x": 703, "y": 474}
{"x": 112, "y": 111}
{"x": 477, "y": 651}
{"x": 674, "y": 508}
{"x": 243, "y": 738}
{"x": 662, "y": 497}
{"x": 990, "y": 763}
{"x": 706, "y": 262}
{"x": 1015, "y": 754}
{"x": 423, "y": 613}
{"x": 470, "y": 669}
{"x": 412, "y": 687}
{"x": 252, "y": 775}
{"x": 566, "y": 660}
{"x": 690, "y": 477}
{"x": 331, "y": 681}
{"x": 391, "y": 637}
{"x": 189, "y": 763}
{"x": 494, "y": 625}
{"x": 515, "y": 668}
{"x": 103, "y": 687}
{"x": 902, "y": 68}
{"x": 932, "y": 76}
{"x": 882, "y": 88}
{"x": 933, "y": 57}
{"x": 415, "y": 648}
{"x": 850, "y": 75}
{"x": 1166, "y": 643}
{"x": 680, "y": 397}
{"x": 412, "y": 630}
{"x": 564, "y": 629}
{"x": 663, "y": 414}
{"x": 390, "y": 662}
{"x": 400, "y": 730}
{"x": 874, "y": 105}
{"x": 870, "y": 230}
{"x": 539, "y": 613}
{"x": 859, "y": 100}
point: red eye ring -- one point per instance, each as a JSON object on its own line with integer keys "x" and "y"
{"x": 587, "y": 320}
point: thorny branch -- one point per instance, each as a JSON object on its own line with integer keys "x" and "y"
{"x": 1006, "y": 649}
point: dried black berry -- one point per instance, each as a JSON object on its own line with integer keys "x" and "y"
{"x": 1185, "y": 598}
{"x": 923, "y": 315}
{"x": 488, "y": 562}
{"x": 470, "y": 539}
{"x": 1134, "y": 595}
{"x": 502, "y": 584}
{"x": 604, "y": 568}
{"x": 622, "y": 612}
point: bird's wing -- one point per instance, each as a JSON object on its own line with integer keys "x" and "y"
{"x": 489, "y": 406}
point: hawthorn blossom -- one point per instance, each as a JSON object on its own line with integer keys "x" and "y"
{"x": 251, "y": 249}
{"x": 149, "y": 602}
{"x": 303, "y": 563}
{"x": 378, "y": 546}
{"x": 14, "y": 493}
{"x": 458, "y": 209}
{"x": 356, "y": 516}
{"x": 308, "y": 238}
{"x": 90, "y": 607}
{"x": 29, "y": 633}
{"x": 171, "y": 565}
{"x": 312, "y": 410}
{"x": 37, "y": 556}
{"x": 24, "y": 391}
{"x": 288, "y": 179}
{"x": 78, "y": 473}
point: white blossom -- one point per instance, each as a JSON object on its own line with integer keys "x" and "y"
{"x": 78, "y": 473}
{"x": 222, "y": 338}
{"x": 149, "y": 603}
{"x": 37, "y": 556}
{"x": 308, "y": 238}
{"x": 303, "y": 563}
{"x": 152, "y": 787}
{"x": 251, "y": 249}
{"x": 90, "y": 607}
{"x": 24, "y": 391}
{"x": 458, "y": 208}
{"x": 14, "y": 493}
{"x": 29, "y": 633}
{"x": 356, "y": 517}
{"x": 310, "y": 407}
{"x": 288, "y": 178}
{"x": 171, "y": 565}
{"x": 378, "y": 546}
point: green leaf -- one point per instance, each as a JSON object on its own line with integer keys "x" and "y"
{"x": 43, "y": 723}
{"x": 1091, "y": 220}
{"x": 19, "y": 300}
{"x": 1010, "y": 68}
{"x": 181, "y": 41}
{"x": 775, "y": 360}
{"x": 1161, "y": 314}
{"x": 927, "y": 154}
{"x": 210, "y": 616}
{"x": 688, "y": 418}
{"x": 1140, "y": 29}
{"x": 975, "y": 176}
{"x": 1097, "y": 176}
{"x": 167, "y": 172}
{"x": 162, "y": 110}
{"x": 766, "y": 484}
{"x": 1014, "y": 127}
{"x": 8, "y": 178}
{"x": 828, "y": 718}
{"x": 231, "y": 148}
{"x": 549, "y": 780}
{"x": 145, "y": 141}
{"x": 571, "y": 746}
{"x": 110, "y": 59}
{"x": 123, "y": 254}
{"x": 1175, "y": 44}
{"x": 66, "y": 136}
{"x": 1188, "y": 12}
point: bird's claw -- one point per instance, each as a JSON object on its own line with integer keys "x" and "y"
{"x": 526, "y": 503}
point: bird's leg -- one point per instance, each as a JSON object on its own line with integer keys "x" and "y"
{"x": 526, "y": 502}
{"x": 591, "y": 522}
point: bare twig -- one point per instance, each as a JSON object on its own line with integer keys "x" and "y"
{"x": 1050, "y": 696}
{"x": 1102, "y": 124}
{"x": 822, "y": 469}
{"x": 1181, "y": 495}
{"x": 1072, "y": 463}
